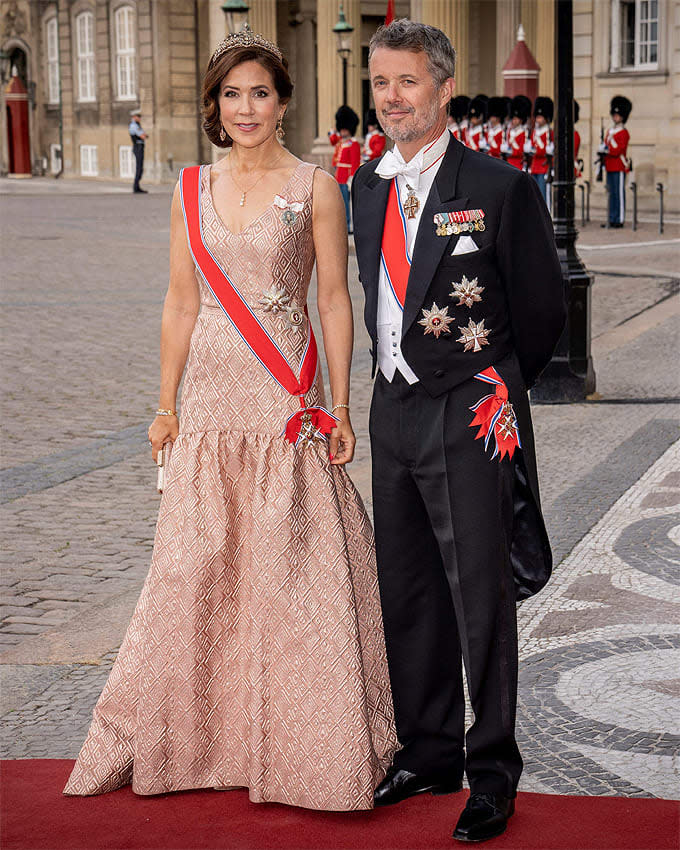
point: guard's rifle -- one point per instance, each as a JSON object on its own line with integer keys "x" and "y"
{"x": 599, "y": 162}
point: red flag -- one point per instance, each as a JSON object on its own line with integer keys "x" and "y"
{"x": 389, "y": 15}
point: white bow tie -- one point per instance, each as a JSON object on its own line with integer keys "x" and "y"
{"x": 390, "y": 166}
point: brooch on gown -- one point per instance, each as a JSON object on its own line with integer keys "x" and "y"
{"x": 276, "y": 300}
{"x": 289, "y": 210}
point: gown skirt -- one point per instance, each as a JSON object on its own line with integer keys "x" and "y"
{"x": 255, "y": 656}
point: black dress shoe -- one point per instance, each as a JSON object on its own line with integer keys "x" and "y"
{"x": 400, "y": 784}
{"x": 485, "y": 816}
{"x": 140, "y": 191}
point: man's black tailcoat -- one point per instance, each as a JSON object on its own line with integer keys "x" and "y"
{"x": 523, "y": 301}
{"x": 459, "y": 534}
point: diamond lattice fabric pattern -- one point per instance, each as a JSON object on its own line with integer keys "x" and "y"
{"x": 255, "y": 656}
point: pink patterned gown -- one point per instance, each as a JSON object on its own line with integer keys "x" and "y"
{"x": 255, "y": 656}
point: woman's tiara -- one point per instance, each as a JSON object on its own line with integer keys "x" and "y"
{"x": 245, "y": 38}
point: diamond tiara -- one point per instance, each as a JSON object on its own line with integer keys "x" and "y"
{"x": 245, "y": 38}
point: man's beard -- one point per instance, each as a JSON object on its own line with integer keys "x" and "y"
{"x": 417, "y": 127}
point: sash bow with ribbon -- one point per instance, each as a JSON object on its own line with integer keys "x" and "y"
{"x": 496, "y": 417}
{"x": 308, "y": 423}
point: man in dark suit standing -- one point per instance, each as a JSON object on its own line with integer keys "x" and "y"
{"x": 464, "y": 305}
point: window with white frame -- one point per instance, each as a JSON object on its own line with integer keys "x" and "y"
{"x": 126, "y": 59}
{"x": 635, "y": 35}
{"x": 52, "y": 39}
{"x": 126, "y": 161}
{"x": 89, "y": 167}
{"x": 85, "y": 56}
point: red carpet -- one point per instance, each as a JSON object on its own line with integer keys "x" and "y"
{"x": 35, "y": 816}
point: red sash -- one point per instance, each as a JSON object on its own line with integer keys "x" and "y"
{"x": 309, "y": 422}
{"x": 495, "y": 417}
{"x": 394, "y": 253}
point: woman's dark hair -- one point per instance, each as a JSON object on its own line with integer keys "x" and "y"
{"x": 218, "y": 71}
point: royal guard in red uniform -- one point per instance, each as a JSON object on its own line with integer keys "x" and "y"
{"x": 476, "y": 139}
{"x": 374, "y": 138}
{"x": 494, "y": 130}
{"x": 542, "y": 146}
{"x": 458, "y": 109}
{"x": 616, "y": 162}
{"x": 516, "y": 135}
{"x": 578, "y": 163}
{"x": 347, "y": 153}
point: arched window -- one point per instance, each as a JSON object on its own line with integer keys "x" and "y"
{"x": 126, "y": 54}
{"x": 85, "y": 56}
{"x": 52, "y": 39}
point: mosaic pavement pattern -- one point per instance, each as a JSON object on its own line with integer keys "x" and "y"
{"x": 599, "y": 688}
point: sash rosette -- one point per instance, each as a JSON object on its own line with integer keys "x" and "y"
{"x": 307, "y": 424}
{"x": 495, "y": 417}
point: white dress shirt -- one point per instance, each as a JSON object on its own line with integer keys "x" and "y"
{"x": 390, "y": 314}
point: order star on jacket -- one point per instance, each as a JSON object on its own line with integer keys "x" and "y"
{"x": 474, "y": 336}
{"x": 436, "y": 320}
{"x": 467, "y": 292}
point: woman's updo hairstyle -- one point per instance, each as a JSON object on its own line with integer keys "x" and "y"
{"x": 218, "y": 69}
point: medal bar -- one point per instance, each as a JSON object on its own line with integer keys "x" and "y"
{"x": 461, "y": 221}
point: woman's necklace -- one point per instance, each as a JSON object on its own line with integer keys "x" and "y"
{"x": 243, "y": 191}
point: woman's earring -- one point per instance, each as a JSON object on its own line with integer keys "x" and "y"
{"x": 223, "y": 134}
{"x": 280, "y": 132}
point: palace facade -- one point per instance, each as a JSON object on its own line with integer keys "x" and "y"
{"x": 72, "y": 70}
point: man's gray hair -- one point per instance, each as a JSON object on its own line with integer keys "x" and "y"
{"x": 409, "y": 35}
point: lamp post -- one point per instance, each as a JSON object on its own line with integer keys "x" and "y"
{"x": 570, "y": 375}
{"x": 343, "y": 32}
{"x": 236, "y": 13}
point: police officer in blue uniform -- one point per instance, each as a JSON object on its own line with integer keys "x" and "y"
{"x": 138, "y": 138}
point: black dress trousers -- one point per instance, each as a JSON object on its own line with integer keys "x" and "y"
{"x": 443, "y": 511}
{"x": 138, "y": 150}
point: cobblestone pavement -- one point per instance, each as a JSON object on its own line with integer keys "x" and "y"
{"x": 84, "y": 276}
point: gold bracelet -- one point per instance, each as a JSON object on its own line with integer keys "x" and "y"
{"x": 336, "y": 406}
{"x": 162, "y": 412}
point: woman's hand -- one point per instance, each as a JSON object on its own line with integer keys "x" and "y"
{"x": 341, "y": 442}
{"x": 164, "y": 429}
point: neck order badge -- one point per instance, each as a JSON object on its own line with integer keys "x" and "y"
{"x": 308, "y": 423}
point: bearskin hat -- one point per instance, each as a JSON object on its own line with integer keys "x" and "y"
{"x": 620, "y": 105}
{"x": 520, "y": 107}
{"x": 477, "y": 108}
{"x": 346, "y": 119}
{"x": 577, "y": 111}
{"x": 498, "y": 108}
{"x": 459, "y": 107}
{"x": 544, "y": 106}
{"x": 371, "y": 118}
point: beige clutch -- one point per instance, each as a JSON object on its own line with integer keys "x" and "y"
{"x": 162, "y": 462}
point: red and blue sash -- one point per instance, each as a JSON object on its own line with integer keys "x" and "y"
{"x": 249, "y": 327}
{"x": 394, "y": 255}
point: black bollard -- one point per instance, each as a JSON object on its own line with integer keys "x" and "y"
{"x": 583, "y": 204}
{"x": 659, "y": 189}
{"x": 587, "y": 182}
{"x": 633, "y": 189}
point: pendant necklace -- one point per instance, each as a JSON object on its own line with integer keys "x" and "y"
{"x": 243, "y": 191}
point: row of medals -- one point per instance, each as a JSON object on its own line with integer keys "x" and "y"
{"x": 453, "y": 228}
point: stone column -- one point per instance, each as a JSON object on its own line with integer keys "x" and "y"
{"x": 329, "y": 71}
{"x": 507, "y": 22}
{"x": 544, "y": 50}
{"x": 528, "y": 18}
{"x": 262, "y": 18}
{"x": 453, "y": 18}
